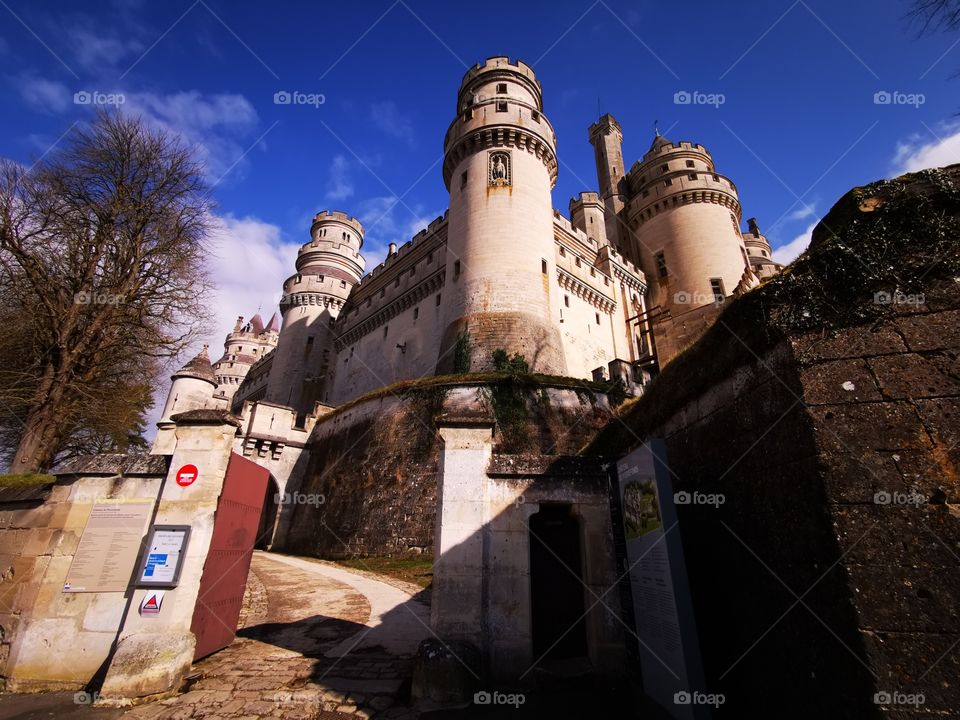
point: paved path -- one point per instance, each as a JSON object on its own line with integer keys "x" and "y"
{"x": 318, "y": 641}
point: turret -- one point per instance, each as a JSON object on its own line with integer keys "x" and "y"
{"x": 684, "y": 221}
{"x": 191, "y": 388}
{"x": 587, "y": 214}
{"x": 327, "y": 269}
{"x": 500, "y": 164}
{"x": 243, "y": 347}
{"x": 607, "y": 140}
{"x": 759, "y": 252}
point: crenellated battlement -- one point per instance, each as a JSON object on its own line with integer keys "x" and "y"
{"x": 499, "y": 63}
{"x": 331, "y": 216}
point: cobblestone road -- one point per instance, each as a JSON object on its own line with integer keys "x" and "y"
{"x": 317, "y": 641}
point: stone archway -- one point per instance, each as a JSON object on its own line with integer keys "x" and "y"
{"x": 269, "y": 516}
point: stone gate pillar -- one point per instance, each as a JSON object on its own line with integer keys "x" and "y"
{"x": 154, "y": 652}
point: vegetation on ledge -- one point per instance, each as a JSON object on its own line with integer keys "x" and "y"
{"x": 26, "y": 479}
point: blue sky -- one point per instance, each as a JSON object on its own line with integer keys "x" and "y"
{"x": 794, "y": 121}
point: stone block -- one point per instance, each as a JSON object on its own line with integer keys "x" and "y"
{"x": 916, "y": 376}
{"x": 838, "y": 382}
{"x": 148, "y": 664}
{"x": 860, "y": 341}
{"x": 934, "y": 331}
{"x": 869, "y": 426}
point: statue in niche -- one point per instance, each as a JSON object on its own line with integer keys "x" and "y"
{"x": 500, "y": 169}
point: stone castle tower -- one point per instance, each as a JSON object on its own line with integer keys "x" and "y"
{"x": 243, "y": 347}
{"x": 328, "y": 267}
{"x": 499, "y": 165}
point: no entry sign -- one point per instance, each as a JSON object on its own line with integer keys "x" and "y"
{"x": 187, "y": 475}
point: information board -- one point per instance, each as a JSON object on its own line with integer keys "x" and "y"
{"x": 166, "y": 548}
{"x": 108, "y": 549}
{"x": 667, "y": 645}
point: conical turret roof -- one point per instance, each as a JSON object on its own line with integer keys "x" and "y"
{"x": 199, "y": 368}
{"x": 256, "y": 323}
{"x": 658, "y": 142}
{"x": 274, "y": 324}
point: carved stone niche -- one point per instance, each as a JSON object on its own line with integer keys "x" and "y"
{"x": 500, "y": 169}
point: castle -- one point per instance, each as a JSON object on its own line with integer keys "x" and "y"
{"x": 637, "y": 272}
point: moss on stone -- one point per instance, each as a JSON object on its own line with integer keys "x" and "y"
{"x": 24, "y": 479}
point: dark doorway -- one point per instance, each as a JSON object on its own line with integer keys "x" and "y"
{"x": 268, "y": 518}
{"x": 557, "y": 605}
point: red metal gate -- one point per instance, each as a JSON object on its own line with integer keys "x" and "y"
{"x": 225, "y": 571}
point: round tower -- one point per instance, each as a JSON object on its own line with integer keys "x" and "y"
{"x": 499, "y": 165}
{"x": 759, "y": 252}
{"x": 684, "y": 219}
{"x": 191, "y": 387}
{"x": 243, "y": 347}
{"x": 327, "y": 269}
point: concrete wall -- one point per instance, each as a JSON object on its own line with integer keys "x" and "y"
{"x": 53, "y": 639}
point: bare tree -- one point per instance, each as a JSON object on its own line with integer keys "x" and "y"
{"x": 102, "y": 281}
{"x": 935, "y": 14}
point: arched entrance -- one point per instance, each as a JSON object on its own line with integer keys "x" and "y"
{"x": 556, "y": 587}
{"x": 268, "y": 517}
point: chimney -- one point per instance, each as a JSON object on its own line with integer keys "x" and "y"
{"x": 392, "y": 251}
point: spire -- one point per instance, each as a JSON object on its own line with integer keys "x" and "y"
{"x": 658, "y": 141}
{"x": 256, "y": 323}
{"x": 274, "y": 324}
{"x": 199, "y": 368}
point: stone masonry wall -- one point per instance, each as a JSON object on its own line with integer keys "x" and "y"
{"x": 371, "y": 485}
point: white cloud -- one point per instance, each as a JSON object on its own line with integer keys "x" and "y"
{"x": 788, "y": 252}
{"x": 46, "y": 95}
{"x": 98, "y": 50}
{"x": 803, "y": 213}
{"x": 913, "y": 154}
{"x": 339, "y": 185}
{"x": 214, "y": 124}
{"x": 389, "y": 119}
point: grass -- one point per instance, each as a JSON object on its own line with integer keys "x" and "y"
{"x": 417, "y": 570}
{"x": 23, "y": 479}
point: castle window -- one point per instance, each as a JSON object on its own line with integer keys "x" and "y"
{"x": 429, "y": 258}
{"x": 343, "y": 283}
{"x": 501, "y": 106}
{"x": 566, "y": 301}
{"x": 689, "y": 163}
{"x": 577, "y": 262}
{"x": 663, "y": 168}
{"x": 413, "y": 271}
{"x": 463, "y": 179}
{"x": 381, "y": 292}
{"x": 368, "y": 302}
{"x": 438, "y": 301}
{"x": 299, "y": 278}
{"x": 351, "y": 351}
{"x": 591, "y": 219}
{"x": 563, "y": 252}
{"x": 501, "y": 88}
{"x": 535, "y": 115}
{"x": 310, "y": 341}
{"x": 467, "y": 115}
{"x": 543, "y": 266}
{"x": 597, "y": 316}
{"x": 456, "y": 269}
{"x": 716, "y": 286}
{"x": 416, "y": 313}
{"x": 386, "y": 328}
{"x": 668, "y": 182}
{"x": 716, "y": 178}
{"x": 646, "y": 193}
{"x": 692, "y": 176}
{"x": 661, "y": 264}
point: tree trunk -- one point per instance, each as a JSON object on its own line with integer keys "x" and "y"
{"x": 39, "y": 443}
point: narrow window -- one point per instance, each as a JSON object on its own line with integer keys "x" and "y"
{"x": 716, "y": 285}
{"x": 543, "y": 266}
{"x": 661, "y": 265}
{"x": 456, "y": 268}
{"x": 663, "y": 168}
{"x": 689, "y": 163}
{"x": 416, "y": 313}
{"x": 343, "y": 283}
{"x": 463, "y": 179}
{"x": 535, "y": 115}
{"x": 501, "y": 88}
{"x": 563, "y": 253}
{"x": 385, "y": 329}
{"x": 413, "y": 271}
{"x": 597, "y": 316}
{"x": 566, "y": 301}
{"x": 577, "y": 262}
{"x": 381, "y": 292}
{"x": 396, "y": 283}
{"x": 429, "y": 258}
{"x": 501, "y": 106}
{"x": 438, "y": 301}
{"x": 668, "y": 182}
{"x": 299, "y": 278}
{"x": 310, "y": 341}
{"x": 692, "y": 176}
